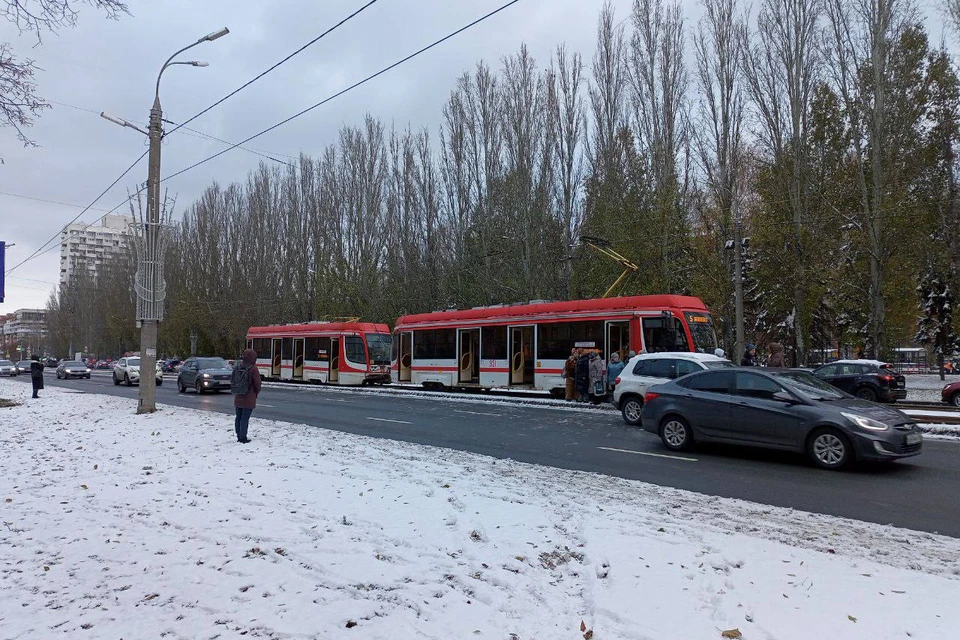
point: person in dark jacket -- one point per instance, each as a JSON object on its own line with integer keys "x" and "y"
{"x": 36, "y": 375}
{"x": 245, "y": 403}
{"x": 749, "y": 356}
{"x": 776, "y": 359}
{"x": 569, "y": 374}
{"x": 582, "y": 375}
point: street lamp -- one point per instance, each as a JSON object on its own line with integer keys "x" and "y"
{"x": 149, "y": 282}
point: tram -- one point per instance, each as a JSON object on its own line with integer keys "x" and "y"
{"x": 338, "y": 353}
{"x": 525, "y": 345}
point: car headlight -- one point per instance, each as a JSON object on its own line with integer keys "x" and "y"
{"x": 865, "y": 422}
{"x": 206, "y": 375}
{"x": 88, "y": 370}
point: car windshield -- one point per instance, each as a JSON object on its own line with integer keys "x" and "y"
{"x": 378, "y": 347}
{"x": 133, "y": 362}
{"x": 701, "y": 328}
{"x": 808, "y": 384}
{"x": 74, "y": 364}
{"x": 212, "y": 363}
{"x": 5, "y": 363}
{"x": 717, "y": 364}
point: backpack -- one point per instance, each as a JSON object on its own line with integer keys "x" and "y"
{"x": 240, "y": 379}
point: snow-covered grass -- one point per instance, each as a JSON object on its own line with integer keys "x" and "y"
{"x": 116, "y": 525}
{"x": 926, "y": 387}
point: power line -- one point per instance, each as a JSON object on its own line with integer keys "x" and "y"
{"x": 57, "y": 202}
{"x": 350, "y": 88}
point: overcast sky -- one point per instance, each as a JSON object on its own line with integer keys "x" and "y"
{"x": 112, "y": 65}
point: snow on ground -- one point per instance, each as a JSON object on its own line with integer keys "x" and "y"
{"x": 926, "y": 387}
{"x": 116, "y": 525}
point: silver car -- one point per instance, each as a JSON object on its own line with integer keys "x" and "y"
{"x": 128, "y": 372}
{"x": 7, "y": 368}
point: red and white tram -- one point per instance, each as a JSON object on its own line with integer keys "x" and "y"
{"x": 526, "y": 345}
{"x": 341, "y": 353}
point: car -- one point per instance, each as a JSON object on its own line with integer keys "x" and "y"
{"x": 170, "y": 365}
{"x": 866, "y": 379}
{"x": 204, "y": 374}
{"x": 128, "y": 372}
{"x": 949, "y": 394}
{"x": 778, "y": 409}
{"x": 50, "y": 362}
{"x": 24, "y": 366}
{"x": 648, "y": 369}
{"x": 72, "y": 369}
{"x": 7, "y": 368}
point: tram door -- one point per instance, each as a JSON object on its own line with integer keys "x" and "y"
{"x": 334, "y": 374}
{"x": 298, "y": 352}
{"x": 521, "y": 355}
{"x": 406, "y": 353}
{"x": 618, "y": 340}
{"x": 275, "y": 358}
{"x": 468, "y": 355}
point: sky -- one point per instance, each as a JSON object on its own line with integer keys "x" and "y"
{"x": 107, "y": 65}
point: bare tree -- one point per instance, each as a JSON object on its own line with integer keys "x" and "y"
{"x": 607, "y": 91}
{"x": 19, "y": 102}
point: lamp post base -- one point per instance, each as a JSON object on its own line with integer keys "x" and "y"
{"x": 148, "y": 367}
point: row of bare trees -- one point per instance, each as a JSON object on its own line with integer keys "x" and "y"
{"x": 798, "y": 171}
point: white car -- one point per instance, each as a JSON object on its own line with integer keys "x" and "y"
{"x": 648, "y": 369}
{"x": 128, "y": 372}
{"x": 7, "y": 368}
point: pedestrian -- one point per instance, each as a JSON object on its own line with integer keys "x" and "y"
{"x": 597, "y": 388}
{"x": 570, "y": 375}
{"x": 582, "y": 376}
{"x": 613, "y": 371}
{"x": 245, "y": 385}
{"x": 775, "y": 358}
{"x": 749, "y": 356}
{"x": 36, "y": 375}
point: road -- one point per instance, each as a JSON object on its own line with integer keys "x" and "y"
{"x": 921, "y": 493}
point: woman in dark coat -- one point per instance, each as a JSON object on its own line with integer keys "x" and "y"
{"x": 36, "y": 375}
{"x": 582, "y": 376}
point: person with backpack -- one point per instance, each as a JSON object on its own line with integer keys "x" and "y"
{"x": 245, "y": 386}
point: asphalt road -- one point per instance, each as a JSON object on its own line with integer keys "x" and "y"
{"x": 920, "y": 493}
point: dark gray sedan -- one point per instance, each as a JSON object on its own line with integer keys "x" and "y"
{"x": 777, "y": 409}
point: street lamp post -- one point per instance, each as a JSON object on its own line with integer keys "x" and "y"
{"x": 150, "y": 285}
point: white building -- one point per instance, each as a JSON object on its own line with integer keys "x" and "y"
{"x": 24, "y": 328}
{"x": 89, "y": 247}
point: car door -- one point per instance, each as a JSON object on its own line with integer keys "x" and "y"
{"x": 758, "y": 418}
{"x": 120, "y": 368}
{"x": 705, "y": 402}
{"x": 189, "y": 372}
{"x": 828, "y": 373}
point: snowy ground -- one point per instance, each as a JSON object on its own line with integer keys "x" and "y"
{"x": 116, "y": 526}
{"x": 926, "y": 387}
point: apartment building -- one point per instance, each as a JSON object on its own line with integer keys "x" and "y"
{"x": 90, "y": 247}
{"x": 24, "y": 328}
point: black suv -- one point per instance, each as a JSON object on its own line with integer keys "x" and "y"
{"x": 866, "y": 379}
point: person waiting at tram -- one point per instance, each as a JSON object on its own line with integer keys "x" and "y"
{"x": 570, "y": 375}
{"x": 582, "y": 376}
{"x": 598, "y": 389}
{"x": 613, "y": 370}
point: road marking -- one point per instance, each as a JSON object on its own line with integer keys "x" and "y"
{"x": 477, "y": 413}
{"x": 261, "y": 404}
{"x": 389, "y": 420}
{"x": 646, "y": 453}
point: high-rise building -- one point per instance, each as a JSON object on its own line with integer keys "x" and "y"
{"x": 89, "y": 247}
{"x": 24, "y": 333}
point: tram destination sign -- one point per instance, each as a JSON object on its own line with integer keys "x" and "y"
{"x": 585, "y": 345}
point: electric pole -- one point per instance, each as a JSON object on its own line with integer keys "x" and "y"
{"x": 738, "y": 283}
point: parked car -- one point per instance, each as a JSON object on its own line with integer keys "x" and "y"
{"x": 23, "y": 366}
{"x": 72, "y": 369}
{"x": 50, "y": 362}
{"x": 7, "y": 368}
{"x": 649, "y": 369}
{"x": 204, "y": 374}
{"x": 949, "y": 394}
{"x": 128, "y": 372}
{"x": 170, "y": 365}
{"x": 866, "y": 379}
{"x": 778, "y": 409}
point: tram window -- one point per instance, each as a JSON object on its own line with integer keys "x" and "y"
{"x": 353, "y": 345}
{"x": 664, "y": 334}
{"x": 436, "y": 344}
{"x": 493, "y": 342}
{"x": 286, "y": 348}
{"x": 555, "y": 340}
{"x": 311, "y": 349}
{"x": 262, "y": 347}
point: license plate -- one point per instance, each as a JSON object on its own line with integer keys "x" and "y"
{"x": 914, "y": 438}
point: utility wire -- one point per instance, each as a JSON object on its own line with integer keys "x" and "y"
{"x": 215, "y": 104}
{"x": 350, "y": 88}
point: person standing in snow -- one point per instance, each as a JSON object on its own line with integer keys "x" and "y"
{"x": 613, "y": 370}
{"x": 36, "y": 375}
{"x": 775, "y": 359}
{"x": 245, "y": 394}
{"x": 749, "y": 356}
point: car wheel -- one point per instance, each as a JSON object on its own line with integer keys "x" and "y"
{"x": 180, "y": 387}
{"x": 955, "y": 399}
{"x": 630, "y": 408}
{"x": 126, "y": 380}
{"x": 159, "y": 383}
{"x": 115, "y": 381}
{"x": 675, "y": 433}
{"x": 58, "y": 375}
{"x": 199, "y": 388}
{"x": 866, "y": 393}
{"x": 829, "y": 449}
{"x": 88, "y": 376}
